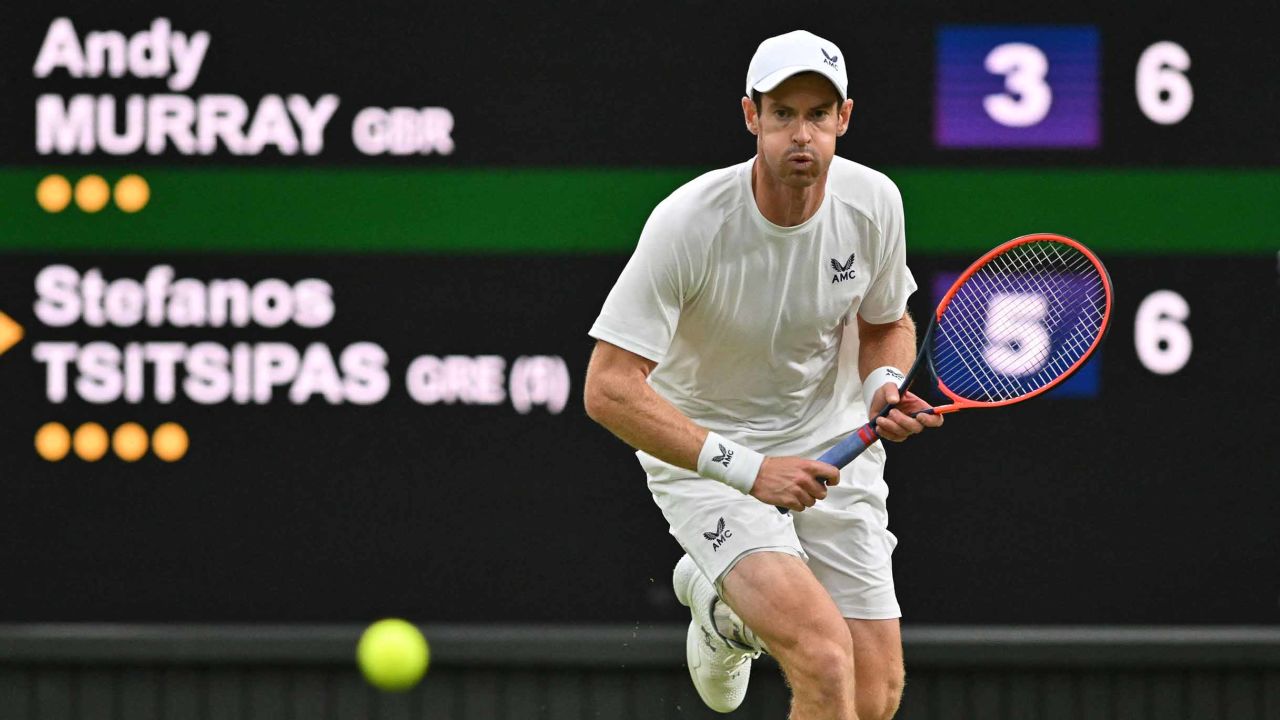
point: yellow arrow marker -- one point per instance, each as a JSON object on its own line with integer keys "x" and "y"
{"x": 10, "y": 333}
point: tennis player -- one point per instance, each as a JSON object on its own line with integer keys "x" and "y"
{"x": 761, "y": 318}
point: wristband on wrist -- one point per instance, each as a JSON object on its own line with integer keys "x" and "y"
{"x": 876, "y": 378}
{"x": 730, "y": 463}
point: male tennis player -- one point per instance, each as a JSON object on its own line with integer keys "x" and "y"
{"x": 760, "y": 317}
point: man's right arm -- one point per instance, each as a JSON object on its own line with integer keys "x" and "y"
{"x": 619, "y": 397}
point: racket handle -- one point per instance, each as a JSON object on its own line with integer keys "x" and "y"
{"x": 851, "y": 447}
{"x": 847, "y": 449}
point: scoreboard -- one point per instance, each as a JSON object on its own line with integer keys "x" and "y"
{"x": 294, "y": 301}
{"x": 637, "y": 84}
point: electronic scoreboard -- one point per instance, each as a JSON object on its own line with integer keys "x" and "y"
{"x": 294, "y": 302}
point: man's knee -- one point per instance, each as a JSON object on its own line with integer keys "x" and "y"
{"x": 880, "y": 700}
{"x": 817, "y": 664}
{"x": 893, "y": 694}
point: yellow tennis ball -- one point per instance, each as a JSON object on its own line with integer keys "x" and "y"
{"x": 393, "y": 655}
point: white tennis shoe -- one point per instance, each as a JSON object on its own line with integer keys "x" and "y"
{"x": 720, "y": 668}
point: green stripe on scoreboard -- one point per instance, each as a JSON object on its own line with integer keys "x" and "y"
{"x": 501, "y": 210}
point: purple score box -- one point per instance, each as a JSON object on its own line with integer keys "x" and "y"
{"x": 1066, "y": 95}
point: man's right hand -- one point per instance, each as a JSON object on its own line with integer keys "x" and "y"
{"x": 793, "y": 483}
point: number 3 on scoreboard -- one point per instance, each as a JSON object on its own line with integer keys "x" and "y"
{"x": 1034, "y": 86}
{"x": 1028, "y": 97}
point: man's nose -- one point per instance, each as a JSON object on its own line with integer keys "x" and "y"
{"x": 802, "y": 134}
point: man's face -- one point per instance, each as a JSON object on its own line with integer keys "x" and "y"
{"x": 797, "y": 126}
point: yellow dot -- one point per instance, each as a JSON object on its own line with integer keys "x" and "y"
{"x": 132, "y": 193}
{"x": 53, "y": 442}
{"x": 130, "y": 442}
{"x": 90, "y": 441}
{"x": 92, "y": 193}
{"x": 53, "y": 193}
{"x": 170, "y": 442}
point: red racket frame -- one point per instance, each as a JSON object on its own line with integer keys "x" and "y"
{"x": 959, "y": 403}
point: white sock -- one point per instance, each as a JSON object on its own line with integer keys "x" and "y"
{"x": 731, "y": 627}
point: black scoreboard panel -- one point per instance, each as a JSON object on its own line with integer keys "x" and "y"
{"x": 294, "y": 301}
{"x": 445, "y": 469}
{"x": 635, "y": 83}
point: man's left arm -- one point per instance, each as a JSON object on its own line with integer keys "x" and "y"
{"x": 892, "y": 345}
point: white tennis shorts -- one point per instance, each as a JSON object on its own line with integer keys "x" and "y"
{"x": 845, "y": 538}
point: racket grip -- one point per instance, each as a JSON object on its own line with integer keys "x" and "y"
{"x": 847, "y": 449}
{"x": 851, "y": 447}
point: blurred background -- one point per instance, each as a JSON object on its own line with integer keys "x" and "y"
{"x": 293, "y": 313}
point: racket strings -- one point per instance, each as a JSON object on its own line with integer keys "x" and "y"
{"x": 1019, "y": 322}
{"x": 1014, "y": 276}
{"x": 1028, "y": 286}
{"x": 959, "y": 336}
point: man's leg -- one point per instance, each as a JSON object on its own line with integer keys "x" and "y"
{"x": 877, "y": 662}
{"x": 717, "y": 525}
{"x": 849, "y": 550}
{"x": 779, "y": 598}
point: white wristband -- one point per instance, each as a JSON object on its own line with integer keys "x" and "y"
{"x": 878, "y": 377}
{"x": 730, "y": 463}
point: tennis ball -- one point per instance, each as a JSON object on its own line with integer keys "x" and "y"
{"x": 393, "y": 655}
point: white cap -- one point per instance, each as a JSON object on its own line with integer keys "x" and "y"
{"x": 778, "y": 58}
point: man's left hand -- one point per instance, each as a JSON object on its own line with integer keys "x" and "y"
{"x": 906, "y": 418}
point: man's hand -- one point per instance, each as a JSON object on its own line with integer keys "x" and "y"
{"x": 793, "y": 483}
{"x": 902, "y": 421}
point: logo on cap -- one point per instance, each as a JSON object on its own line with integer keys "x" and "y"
{"x": 831, "y": 60}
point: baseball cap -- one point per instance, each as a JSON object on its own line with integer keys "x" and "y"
{"x": 780, "y": 57}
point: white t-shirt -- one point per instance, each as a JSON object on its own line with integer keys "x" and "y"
{"x": 752, "y": 325}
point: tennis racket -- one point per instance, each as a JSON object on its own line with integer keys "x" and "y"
{"x": 1018, "y": 322}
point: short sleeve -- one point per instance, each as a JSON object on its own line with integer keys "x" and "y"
{"x": 886, "y": 298}
{"x": 643, "y": 309}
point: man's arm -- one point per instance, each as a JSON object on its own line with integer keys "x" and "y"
{"x": 619, "y": 398}
{"x": 894, "y": 344}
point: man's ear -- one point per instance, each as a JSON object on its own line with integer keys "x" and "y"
{"x": 750, "y": 116}
{"x": 846, "y": 110}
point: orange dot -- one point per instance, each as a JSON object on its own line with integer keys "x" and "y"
{"x": 90, "y": 442}
{"x": 53, "y": 442}
{"x": 92, "y": 193}
{"x": 170, "y": 442}
{"x": 130, "y": 442}
{"x": 132, "y": 193}
{"x": 53, "y": 193}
